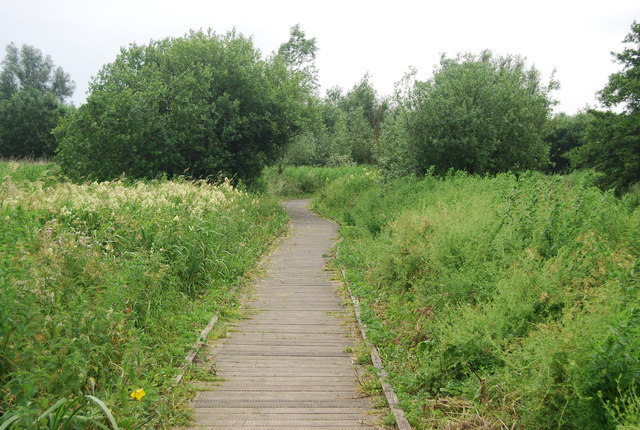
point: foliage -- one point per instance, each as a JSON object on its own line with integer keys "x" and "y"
{"x": 204, "y": 105}
{"x": 28, "y": 69}
{"x": 612, "y": 146}
{"x": 32, "y": 92}
{"x": 364, "y": 113}
{"x": 65, "y": 414}
{"x": 497, "y": 302}
{"x": 304, "y": 181}
{"x": 95, "y": 277}
{"x": 299, "y": 54}
{"x": 345, "y": 131}
{"x": 612, "y": 141}
{"x": 481, "y": 114}
{"x": 26, "y": 121}
{"x": 567, "y": 133}
{"x": 624, "y": 86}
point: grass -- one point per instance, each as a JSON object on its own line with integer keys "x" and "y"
{"x": 20, "y": 171}
{"x": 497, "y": 302}
{"x": 303, "y": 181}
{"x": 105, "y": 286}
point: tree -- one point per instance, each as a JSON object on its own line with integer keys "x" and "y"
{"x": 32, "y": 92}
{"x": 364, "y": 113}
{"x": 346, "y": 128}
{"x": 612, "y": 141}
{"x": 567, "y": 133}
{"x": 28, "y": 68}
{"x": 299, "y": 54}
{"x": 26, "y": 122}
{"x": 202, "y": 105}
{"x": 624, "y": 86}
{"x": 482, "y": 114}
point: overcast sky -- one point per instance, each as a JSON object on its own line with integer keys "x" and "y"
{"x": 354, "y": 37}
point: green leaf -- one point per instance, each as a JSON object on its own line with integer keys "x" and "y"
{"x": 5, "y": 425}
{"x": 105, "y": 410}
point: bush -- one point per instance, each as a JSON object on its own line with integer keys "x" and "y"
{"x": 512, "y": 300}
{"x": 481, "y": 114}
{"x": 202, "y": 105}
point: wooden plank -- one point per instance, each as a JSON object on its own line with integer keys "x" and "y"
{"x": 285, "y": 411}
{"x": 284, "y": 396}
{"x": 275, "y": 404}
{"x": 276, "y": 422}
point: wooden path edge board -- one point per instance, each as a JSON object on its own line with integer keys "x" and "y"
{"x": 392, "y": 399}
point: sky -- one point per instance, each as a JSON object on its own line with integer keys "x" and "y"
{"x": 383, "y": 39}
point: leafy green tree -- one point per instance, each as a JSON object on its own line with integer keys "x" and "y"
{"x": 27, "y": 68}
{"x": 612, "y": 140}
{"x": 325, "y": 141}
{"x": 32, "y": 92}
{"x": 567, "y": 133}
{"x": 26, "y": 122}
{"x": 624, "y": 86}
{"x": 339, "y": 128}
{"x": 345, "y": 130}
{"x": 364, "y": 112}
{"x": 202, "y": 105}
{"x": 299, "y": 54}
{"x": 481, "y": 114}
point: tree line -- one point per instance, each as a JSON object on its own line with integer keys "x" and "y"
{"x": 208, "y": 105}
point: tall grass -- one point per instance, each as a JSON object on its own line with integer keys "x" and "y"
{"x": 106, "y": 285}
{"x": 29, "y": 170}
{"x": 497, "y": 302}
{"x": 303, "y": 181}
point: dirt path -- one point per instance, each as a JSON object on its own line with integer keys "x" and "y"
{"x": 286, "y": 366}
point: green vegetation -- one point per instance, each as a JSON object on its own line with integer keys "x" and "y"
{"x": 345, "y": 129}
{"x": 503, "y": 301}
{"x": 481, "y": 114}
{"x": 32, "y": 93}
{"x": 567, "y": 133}
{"x": 202, "y": 105}
{"x": 29, "y": 171}
{"x": 302, "y": 181}
{"x": 612, "y": 140}
{"x": 106, "y": 285}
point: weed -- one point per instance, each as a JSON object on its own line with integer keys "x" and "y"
{"x": 105, "y": 286}
{"x": 496, "y": 301}
{"x": 64, "y": 414}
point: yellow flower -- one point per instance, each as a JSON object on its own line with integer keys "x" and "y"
{"x": 138, "y": 394}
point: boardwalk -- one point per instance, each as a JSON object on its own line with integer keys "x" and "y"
{"x": 286, "y": 366}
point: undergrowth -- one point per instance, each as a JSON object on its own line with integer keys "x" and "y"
{"x": 303, "y": 181}
{"x": 105, "y": 286}
{"x": 497, "y": 302}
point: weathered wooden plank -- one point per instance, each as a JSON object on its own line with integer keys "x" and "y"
{"x": 276, "y": 422}
{"x": 287, "y": 328}
{"x": 263, "y": 380}
{"x": 284, "y": 396}
{"x": 285, "y": 411}
{"x": 231, "y": 373}
{"x": 280, "y": 426}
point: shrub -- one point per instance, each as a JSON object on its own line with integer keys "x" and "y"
{"x": 515, "y": 297}
{"x": 201, "y": 105}
{"x": 481, "y": 114}
{"x": 95, "y": 276}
